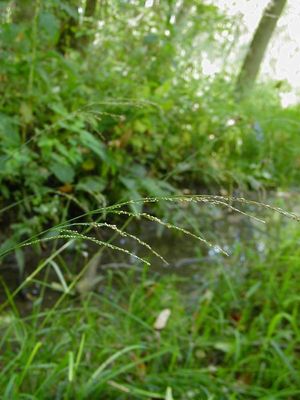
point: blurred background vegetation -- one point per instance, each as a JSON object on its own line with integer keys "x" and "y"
{"x": 104, "y": 101}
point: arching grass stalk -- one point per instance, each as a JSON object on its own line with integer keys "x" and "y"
{"x": 62, "y": 231}
{"x": 200, "y": 199}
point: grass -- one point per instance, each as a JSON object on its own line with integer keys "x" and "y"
{"x": 234, "y": 335}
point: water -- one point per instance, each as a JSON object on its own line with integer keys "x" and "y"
{"x": 237, "y": 234}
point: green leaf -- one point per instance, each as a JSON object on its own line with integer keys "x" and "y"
{"x": 164, "y": 88}
{"x": 151, "y": 38}
{"x": 155, "y": 187}
{"x": 140, "y": 126}
{"x": 91, "y": 184}
{"x": 64, "y": 172}
{"x": 130, "y": 184}
{"x": 132, "y": 194}
{"x": 169, "y": 394}
{"x": 69, "y": 10}
{"x": 9, "y": 132}
{"x": 3, "y": 160}
{"x": 94, "y": 144}
{"x": 50, "y": 25}
{"x": 26, "y": 112}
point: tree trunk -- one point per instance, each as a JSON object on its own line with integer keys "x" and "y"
{"x": 90, "y": 8}
{"x": 89, "y": 12}
{"x": 69, "y": 25}
{"x": 258, "y": 46}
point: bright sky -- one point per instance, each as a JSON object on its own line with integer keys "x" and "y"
{"x": 282, "y": 60}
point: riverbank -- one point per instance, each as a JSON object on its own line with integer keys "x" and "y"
{"x": 232, "y": 332}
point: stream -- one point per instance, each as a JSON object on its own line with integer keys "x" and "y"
{"x": 189, "y": 258}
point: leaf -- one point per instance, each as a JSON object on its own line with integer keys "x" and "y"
{"x": 7, "y": 245}
{"x": 128, "y": 183}
{"x": 69, "y": 10}
{"x": 155, "y": 187}
{"x": 223, "y": 346}
{"x": 3, "y": 160}
{"x": 151, "y": 38}
{"x": 91, "y": 184}
{"x": 137, "y": 207}
{"x": 164, "y": 88}
{"x": 140, "y": 126}
{"x": 64, "y": 172}
{"x": 19, "y": 254}
{"x": 9, "y": 132}
{"x": 59, "y": 109}
{"x": 94, "y": 144}
{"x": 88, "y": 165}
{"x": 90, "y": 278}
{"x": 151, "y": 186}
{"x": 162, "y": 319}
{"x": 169, "y": 394}
{"x": 132, "y": 194}
{"x": 97, "y": 374}
{"x": 26, "y": 112}
{"x": 66, "y": 188}
{"x": 50, "y": 25}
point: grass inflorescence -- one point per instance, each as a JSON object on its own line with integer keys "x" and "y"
{"x": 241, "y": 343}
{"x": 231, "y": 336}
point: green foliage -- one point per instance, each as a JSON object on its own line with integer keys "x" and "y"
{"x": 115, "y": 105}
{"x": 234, "y": 336}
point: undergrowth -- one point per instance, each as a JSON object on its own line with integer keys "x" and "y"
{"x": 231, "y": 336}
{"x": 76, "y": 133}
